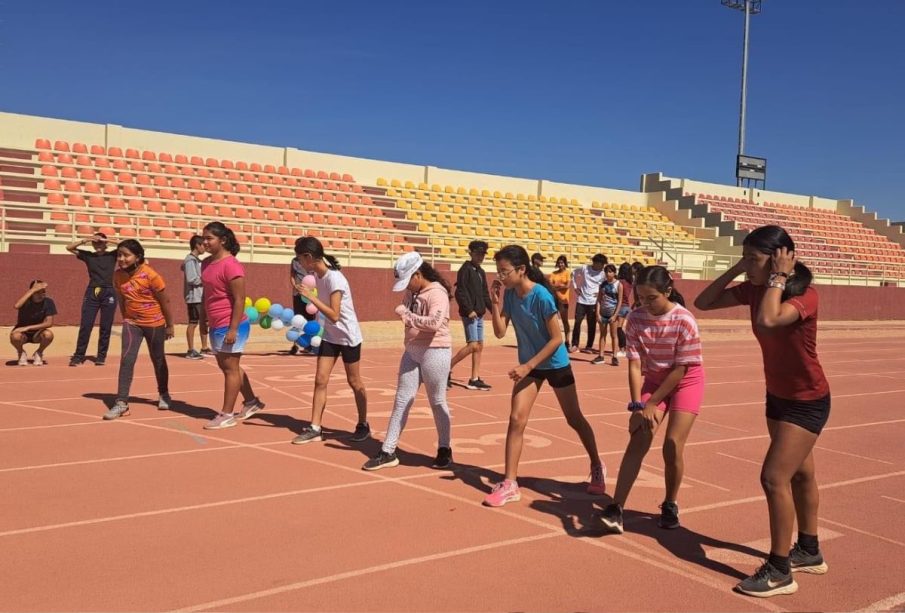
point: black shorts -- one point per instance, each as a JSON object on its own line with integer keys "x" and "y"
{"x": 350, "y": 355}
{"x": 30, "y": 336}
{"x": 194, "y": 311}
{"x": 299, "y": 306}
{"x": 808, "y": 414}
{"x": 556, "y": 377}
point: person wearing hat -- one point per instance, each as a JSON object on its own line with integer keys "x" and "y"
{"x": 99, "y": 295}
{"x": 537, "y": 260}
{"x": 473, "y": 297}
{"x": 428, "y": 345}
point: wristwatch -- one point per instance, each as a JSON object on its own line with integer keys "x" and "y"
{"x": 635, "y": 406}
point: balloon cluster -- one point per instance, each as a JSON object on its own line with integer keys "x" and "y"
{"x": 277, "y": 317}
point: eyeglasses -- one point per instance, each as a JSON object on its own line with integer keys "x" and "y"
{"x": 505, "y": 273}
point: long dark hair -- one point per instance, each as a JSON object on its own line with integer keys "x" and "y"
{"x": 517, "y": 256}
{"x": 430, "y": 273}
{"x": 564, "y": 260}
{"x": 313, "y": 247}
{"x": 625, "y": 272}
{"x": 659, "y": 278}
{"x": 226, "y": 236}
{"x": 767, "y": 239}
{"x": 134, "y": 247}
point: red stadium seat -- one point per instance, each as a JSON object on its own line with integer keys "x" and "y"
{"x": 42, "y": 143}
{"x": 60, "y": 145}
{"x": 149, "y": 156}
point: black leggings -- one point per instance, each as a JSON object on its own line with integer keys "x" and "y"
{"x": 589, "y": 312}
{"x": 132, "y": 336}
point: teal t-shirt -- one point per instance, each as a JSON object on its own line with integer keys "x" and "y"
{"x": 529, "y": 316}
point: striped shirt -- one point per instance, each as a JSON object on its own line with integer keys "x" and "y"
{"x": 662, "y": 342}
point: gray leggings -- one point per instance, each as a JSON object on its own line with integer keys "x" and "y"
{"x": 418, "y": 365}
{"x": 132, "y": 336}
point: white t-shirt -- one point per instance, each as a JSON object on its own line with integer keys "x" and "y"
{"x": 345, "y": 331}
{"x": 586, "y": 282}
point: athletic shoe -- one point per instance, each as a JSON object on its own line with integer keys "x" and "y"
{"x": 597, "y": 482}
{"x": 23, "y": 359}
{"x": 803, "y": 562}
{"x": 76, "y": 361}
{"x": 193, "y": 355}
{"x": 766, "y": 582}
{"x": 669, "y": 515}
{"x": 381, "y": 460}
{"x": 503, "y": 492}
{"x": 477, "y": 384}
{"x": 449, "y": 382}
{"x": 362, "y": 432}
{"x": 573, "y": 349}
{"x": 221, "y": 422}
{"x": 207, "y": 351}
{"x": 38, "y": 359}
{"x": 100, "y": 361}
{"x": 294, "y": 350}
{"x": 117, "y": 410}
{"x": 611, "y": 516}
{"x": 308, "y": 435}
{"x": 598, "y": 360}
{"x": 249, "y": 408}
{"x": 444, "y": 458}
{"x": 588, "y": 350}
{"x": 620, "y": 354}
{"x": 615, "y": 361}
{"x": 164, "y": 402}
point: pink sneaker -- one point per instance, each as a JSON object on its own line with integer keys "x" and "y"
{"x": 597, "y": 485}
{"x": 503, "y": 492}
{"x": 221, "y": 421}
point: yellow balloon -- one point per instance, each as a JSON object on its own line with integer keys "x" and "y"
{"x": 314, "y": 292}
{"x": 247, "y": 302}
{"x": 262, "y": 305}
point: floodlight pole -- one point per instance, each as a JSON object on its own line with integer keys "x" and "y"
{"x": 749, "y": 7}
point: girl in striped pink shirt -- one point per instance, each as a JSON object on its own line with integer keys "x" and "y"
{"x": 665, "y": 375}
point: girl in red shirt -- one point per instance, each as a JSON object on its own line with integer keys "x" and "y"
{"x": 784, "y": 318}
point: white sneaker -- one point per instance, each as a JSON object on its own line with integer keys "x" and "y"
{"x": 620, "y": 354}
{"x": 23, "y": 359}
{"x": 37, "y": 360}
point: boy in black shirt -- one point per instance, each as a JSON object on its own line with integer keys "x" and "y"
{"x": 473, "y": 298}
{"x": 99, "y": 295}
{"x": 33, "y": 322}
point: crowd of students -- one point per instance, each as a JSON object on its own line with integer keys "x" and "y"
{"x": 638, "y": 308}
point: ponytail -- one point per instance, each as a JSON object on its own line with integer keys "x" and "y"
{"x": 659, "y": 278}
{"x": 517, "y": 256}
{"x": 226, "y": 236}
{"x": 799, "y": 282}
{"x": 767, "y": 240}
{"x": 309, "y": 245}
{"x": 430, "y": 274}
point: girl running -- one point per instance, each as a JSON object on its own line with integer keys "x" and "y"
{"x": 428, "y": 350}
{"x": 342, "y": 337}
{"x": 783, "y": 308}
{"x": 626, "y": 277}
{"x": 145, "y": 307}
{"x": 608, "y": 301}
{"x": 223, "y": 278}
{"x": 529, "y": 304}
{"x": 561, "y": 281}
{"x": 665, "y": 377}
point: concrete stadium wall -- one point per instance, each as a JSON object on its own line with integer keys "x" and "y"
{"x": 371, "y": 291}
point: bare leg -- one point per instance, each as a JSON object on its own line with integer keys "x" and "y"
{"x": 677, "y": 431}
{"x": 325, "y": 366}
{"x": 353, "y": 376}
{"x": 568, "y": 402}
{"x": 232, "y": 375}
{"x": 638, "y": 446}
{"x": 524, "y": 393}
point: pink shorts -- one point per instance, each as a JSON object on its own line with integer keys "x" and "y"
{"x": 688, "y": 395}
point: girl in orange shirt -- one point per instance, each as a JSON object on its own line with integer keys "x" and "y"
{"x": 145, "y": 308}
{"x": 561, "y": 281}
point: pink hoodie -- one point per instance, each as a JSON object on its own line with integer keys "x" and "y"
{"x": 426, "y": 317}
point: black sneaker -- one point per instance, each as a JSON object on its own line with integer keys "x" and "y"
{"x": 477, "y": 384}
{"x": 598, "y": 360}
{"x": 193, "y": 355}
{"x": 615, "y": 361}
{"x": 308, "y": 435}
{"x": 766, "y": 582}
{"x": 444, "y": 458}
{"x": 449, "y": 382}
{"x": 294, "y": 350}
{"x": 362, "y": 432}
{"x": 803, "y": 562}
{"x": 76, "y": 361}
{"x": 100, "y": 361}
{"x": 207, "y": 351}
{"x": 669, "y": 516}
{"x": 381, "y": 460}
{"x": 612, "y": 518}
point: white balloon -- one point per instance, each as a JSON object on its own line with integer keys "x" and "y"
{"x": 298, "y": 321}
{"x": 316, "y": 341}
{"x": 277, "y": 324}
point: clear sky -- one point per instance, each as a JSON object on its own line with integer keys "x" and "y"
{"x": 591, "y": 92}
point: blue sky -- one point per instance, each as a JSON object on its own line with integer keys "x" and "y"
{"x": 587, "y": 92}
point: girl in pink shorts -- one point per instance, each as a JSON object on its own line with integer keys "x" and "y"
{"x": 665, "y": 376}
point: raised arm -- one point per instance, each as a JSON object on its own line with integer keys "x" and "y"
{"x": 500, "y": 321}
{"x": 716, "y": 296}
{"x": 37, "y": 287}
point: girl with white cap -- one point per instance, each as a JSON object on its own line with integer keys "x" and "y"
{"x": 428, "y": 350}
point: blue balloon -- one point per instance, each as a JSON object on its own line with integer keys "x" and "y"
{"x": 275, "y": 310}
{"x": 287, "y": 315}
{"x": 312, "y": 328}
{"x": 292, "y": 335}
{"x": 304, "y": 341}
{"x": 252, "y": 314}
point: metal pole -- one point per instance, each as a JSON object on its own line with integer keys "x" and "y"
{"x": 743, "y": 104}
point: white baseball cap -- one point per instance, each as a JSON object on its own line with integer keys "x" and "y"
{"x": 405, "y": 267}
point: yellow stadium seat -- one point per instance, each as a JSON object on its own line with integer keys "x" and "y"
{"x": 395, "y": 183}
{"x": 520, "y": 196}
{"x": 449, "y": 189}
{"x": 574, "y": 202}
{"x": 409, "y": 185}
{"x": 447, "y": 197}
{"x": 436, "y": 188}
{"x": 461, "y": 191}
{"x": 424, "y": 187}
{"x": 532, "y": 198}
{"x": 381, "y": 182}
{"x": 509, "y": 196}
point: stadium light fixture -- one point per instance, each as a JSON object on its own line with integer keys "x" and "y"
{"x": 749, "y": 7}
